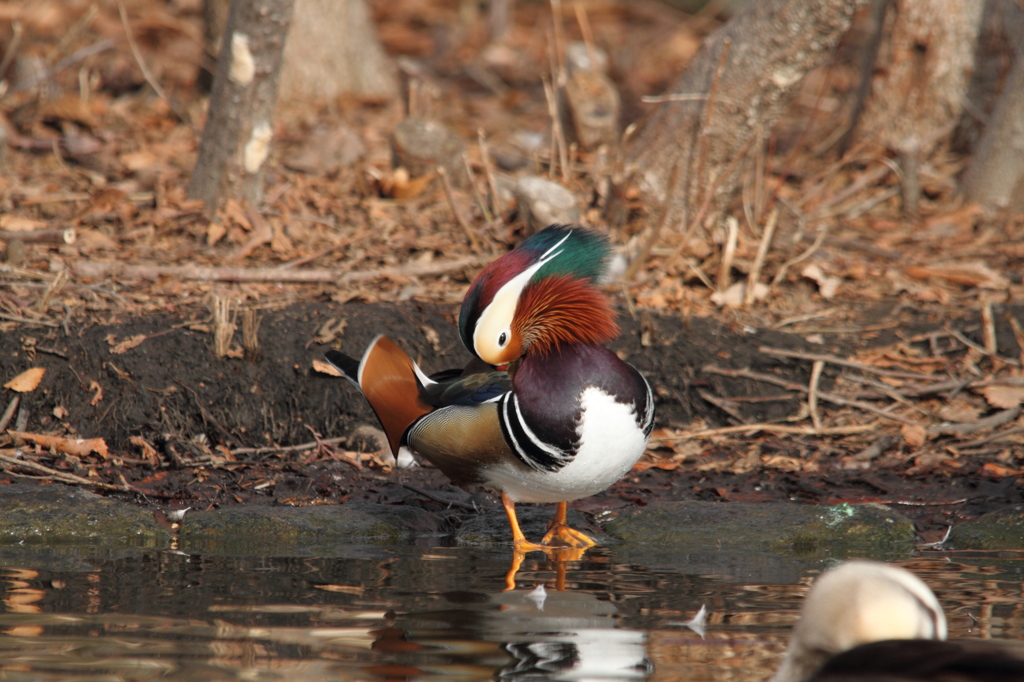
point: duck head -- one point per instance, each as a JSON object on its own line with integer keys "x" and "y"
{"x": 541, "y": 294}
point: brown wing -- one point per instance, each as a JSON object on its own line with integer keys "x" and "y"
{"x": 460, "y": 440}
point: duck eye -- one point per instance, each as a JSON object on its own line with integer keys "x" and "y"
{"x": 502, "y": 339}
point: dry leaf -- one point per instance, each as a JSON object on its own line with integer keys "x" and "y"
{"x": 215, "y": 232}
{"x": 17, "y": 223}
{"x": 94, "y": 240}
{"x": 959, "y": 412}
{"x": 664, "y": 464}
{"x": 148, "y": 451}
{"x": 94, "y": 386}
{"x": 127, "y": 344}
{"x": 400, "y": 186}
{"x": 69, "y": 107}
{"x": 330, "y": 330}
{"x": 80, "y": 447}
{"x": 138, "y": 161}
{"x": 1003, "y": 397}
{"x": 784, "y": 463}
{"x": 914, "y": 435}
{"x": 827, "y": 285}
{"x": 733, "y": 296}
{"x": 27, "y": 381}
{"x": 432, "y": 337}
{"x": 326, "y": 368}
{"x": 998, "y": 470}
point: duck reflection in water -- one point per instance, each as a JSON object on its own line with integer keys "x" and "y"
{"x": 539, "y": 633}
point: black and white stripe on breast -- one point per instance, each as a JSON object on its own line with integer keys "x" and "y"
{"x": 647, "y": 420}
{"x": 525, "y": 444}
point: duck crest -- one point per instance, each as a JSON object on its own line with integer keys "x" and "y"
{"x": 525, "y": 285}
{"x": 560, "y": 310}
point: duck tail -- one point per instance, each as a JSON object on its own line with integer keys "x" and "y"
{"x": 391, "y": 382}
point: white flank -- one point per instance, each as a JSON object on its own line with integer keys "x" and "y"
{"x": 610, "y": 444}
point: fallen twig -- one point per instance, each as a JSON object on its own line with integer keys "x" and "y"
{"x": 289, "y": 448}
{"x": 73, "y": 446}
{"x": 44, "y": 236}
{"x": 818, "y": 241}
{"x": 843, "y": 362}
{"x": 60, "y": 475}
{"x": 488, "y": 218}
{"x": 8, "y": 414}
{"x": 723, "y": 405}
{"x": 728, "y": 254}
{"x": 964, "y": 428}
{"x": 981, "y": 349}
{"x": 874, "y": 450}
{"x": 103, "y": 270}
{"x": 474, "y": 242}
{"x": 999, "y": 435}
{"x": 773, "y": 428}
{"x": 988, "y": 329}
{"x": 828, "y": 397}
{"x": 762, "y": 252}
{"x": 812, "y": 393}
{"x": 24, "y": 273}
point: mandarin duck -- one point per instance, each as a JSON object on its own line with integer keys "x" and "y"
{"x": 553, "y": 416}
{"x": 867, "y": 620}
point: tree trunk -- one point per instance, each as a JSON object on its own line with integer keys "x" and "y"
{"x": 923, "y": 68}
{"x": 333, "y": 50}
{"x": 995, "y": 176}
{"x": 239, "y": 124}
{"x": 730, "y": 95}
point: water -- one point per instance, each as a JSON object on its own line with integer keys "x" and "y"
{"x": 420, "y": 613}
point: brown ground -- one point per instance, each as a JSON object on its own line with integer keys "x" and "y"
{"x": 130, "y": 361}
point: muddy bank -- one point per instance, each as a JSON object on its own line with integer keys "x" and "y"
{"x": 170, "y": 386}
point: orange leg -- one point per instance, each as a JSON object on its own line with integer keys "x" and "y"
{"x": 559, "y": 530}
{"x": 519, "y": 541}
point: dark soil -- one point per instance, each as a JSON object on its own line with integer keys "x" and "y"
{"x": 172, "y": 385}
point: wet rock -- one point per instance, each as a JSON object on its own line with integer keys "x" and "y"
{"x": 56, "y": 514}
{"x": 1003, "y": 529}
{"x": 774, "y": 528}
{"x": 544, "y": 202}
{"x": 421, "y": 145}
{"x": 301, "y": 531}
